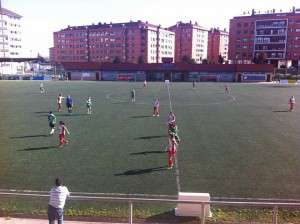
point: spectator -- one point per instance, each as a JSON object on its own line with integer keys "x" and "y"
{"x": 58, "y": 196}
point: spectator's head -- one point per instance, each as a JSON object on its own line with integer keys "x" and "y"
{"x": 58, "y": 181}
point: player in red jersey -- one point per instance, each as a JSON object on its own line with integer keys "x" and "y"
{"x": 62, "y": 134}
{"x": 172, "y": 153}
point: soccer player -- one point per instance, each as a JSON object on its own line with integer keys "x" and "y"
{"x": 145, "y": 83}
{"x": 292, "y": 103}
{"x": 132, "y": 92}
{"x": 62, "y": 134}
{"x": 172, "y": 152}
{"x": 227, "y": 89}
{"x": 52, "y": 122}
{"x": 171, "y": 118}
{"x": 156, "y": 108}
{"x": 194, "y": 83}
{"x": 89, "y": 105}
{"x": 59, "y": 102}
{"x": 42, "y": 89}
{"x": 69, "y": 104}
{"x": 173, "y": 132}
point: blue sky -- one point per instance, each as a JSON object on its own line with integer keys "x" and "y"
{"x": 42, "y": 17}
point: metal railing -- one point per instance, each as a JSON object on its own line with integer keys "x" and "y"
{"x": 275, "y": 206}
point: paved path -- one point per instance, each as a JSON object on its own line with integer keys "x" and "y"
{"x": 8, "y": 220}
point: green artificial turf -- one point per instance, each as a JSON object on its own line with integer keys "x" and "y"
{"x": 240, "y": 145}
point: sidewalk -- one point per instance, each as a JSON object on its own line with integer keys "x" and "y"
{"x": 8, "y": 220}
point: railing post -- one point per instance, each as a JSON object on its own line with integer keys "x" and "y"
{"x": 202, "y": 213}
{"x": 130, "y": 212}
{"x": 275, "y": 215}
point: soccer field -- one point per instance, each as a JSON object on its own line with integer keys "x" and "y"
{"x": 242, "y": 144}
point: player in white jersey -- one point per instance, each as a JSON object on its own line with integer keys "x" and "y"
{"x": 171, "y": 118}
{"x": 227, "y": 89}
{"x": 89, "y": 105}
{"x": 156, "y": 106}
{"x": 292, "y": 103}
{"x": 59, "y": 102}
{"x": 42, "y": 89}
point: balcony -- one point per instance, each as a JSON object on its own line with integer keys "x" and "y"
{"x": 271, "y": 50}
{"x": 270, "y": 27}
{"x": 271, "y": 35}
{"x": 270, "y": 42}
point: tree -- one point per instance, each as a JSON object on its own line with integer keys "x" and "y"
{"x": 204, "y": 61}
{"x": 141, "y": 60}
{"x": 116, "y": 60}
{"x": 188, "y": 60}
{"x": 220, "y": 59}
{"x": 260, "y": 58}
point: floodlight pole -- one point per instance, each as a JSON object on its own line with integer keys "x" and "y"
{"x": 2, "y": 34}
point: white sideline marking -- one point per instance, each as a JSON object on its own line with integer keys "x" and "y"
{"x": 176, "y": 159}
{"x": 177, "y": 173}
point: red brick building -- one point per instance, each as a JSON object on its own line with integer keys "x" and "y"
{"x": 217, "y": 45}
{"x": 272, "y": 37}
{"x": 190, "y": 41}
{"x": 134, "y": 42}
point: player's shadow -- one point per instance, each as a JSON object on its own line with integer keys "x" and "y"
{"x": 147, "y": 152}
{"x": 28, "y": 136}
{"x": 38, "y": 148}
{"x": 123, "y": 102}
{"x": 142, "y": 171}
{"x": 150, "y": 137}
{"x": 72, "y": 115}
{"x": 281, "y": 111}
{"x": 141, "y": 116}
{"x": 42, "y": 112}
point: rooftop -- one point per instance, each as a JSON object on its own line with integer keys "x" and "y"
{"x": 7, "y": 12}
{"x": 138, "y": 23}
{"x": 271, "y": 12}
{"x": 188, "y": 24}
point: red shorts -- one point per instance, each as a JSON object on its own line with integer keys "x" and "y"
{"x": 172, "y": 152}
{"x": 62, "y": 139}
